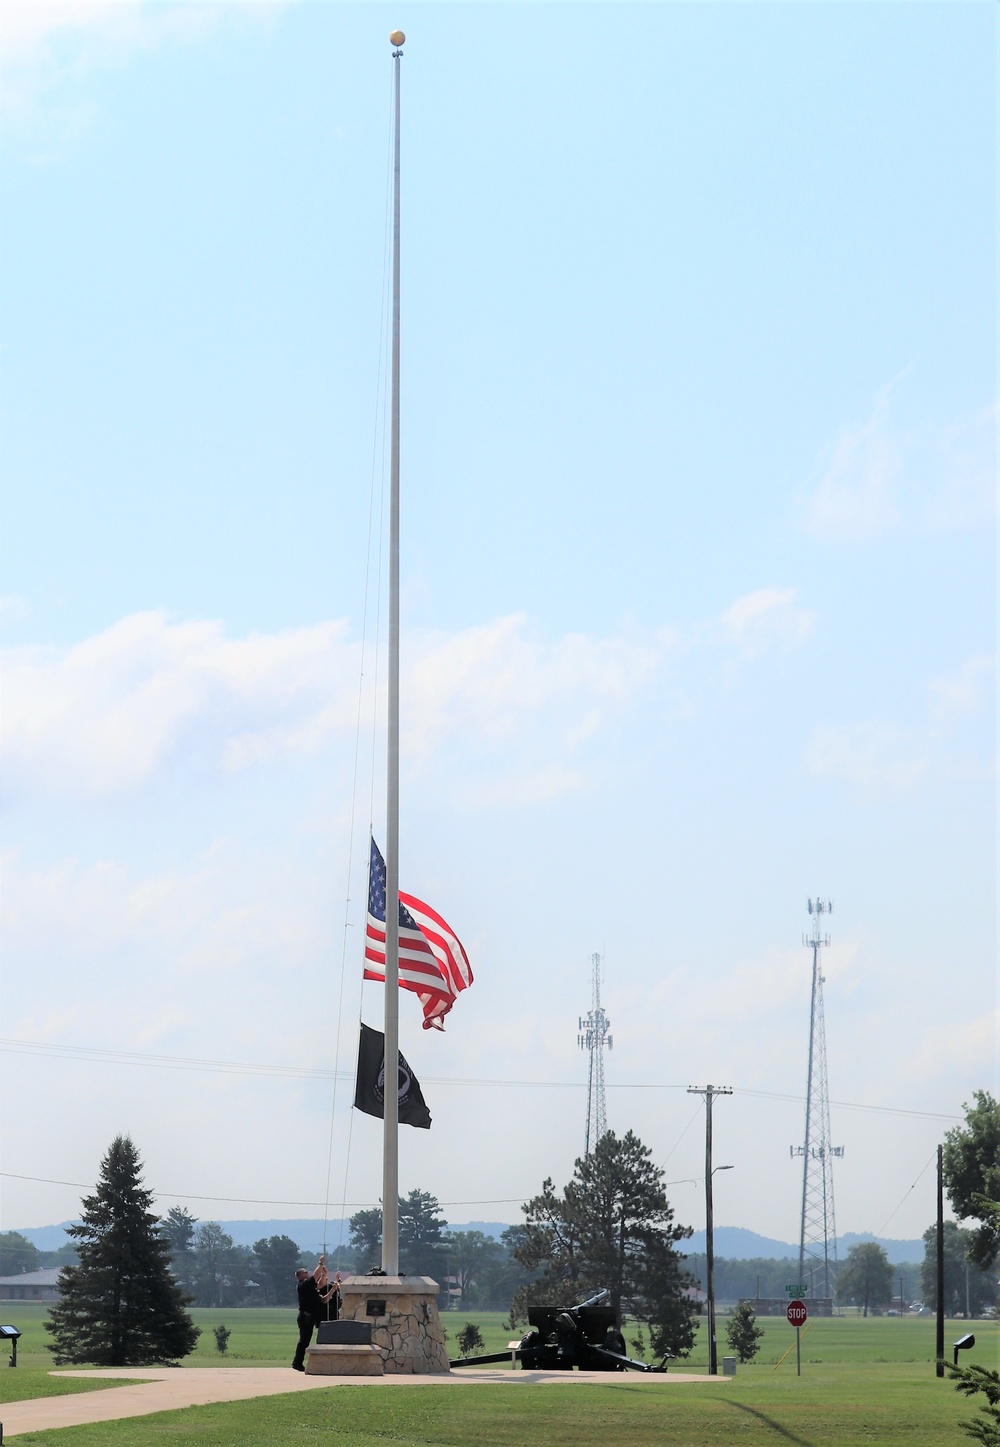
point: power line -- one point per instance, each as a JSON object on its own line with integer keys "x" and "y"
{"x": 295, "y": 1072}
{"x": 252, "y": 1200}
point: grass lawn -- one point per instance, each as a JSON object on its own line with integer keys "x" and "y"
{"x": 266, "y": 1337}
{"x": 863, "y": 1381}
{"x": 831, "y": 1407}
{"x": 27, "y": 1382}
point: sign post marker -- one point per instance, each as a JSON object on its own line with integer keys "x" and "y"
{"x": 797, "y": 1316}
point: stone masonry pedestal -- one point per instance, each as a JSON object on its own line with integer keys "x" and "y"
{"x": 403, "y": 1314}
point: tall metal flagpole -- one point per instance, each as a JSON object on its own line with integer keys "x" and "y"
{"x": 390, "y": 1137}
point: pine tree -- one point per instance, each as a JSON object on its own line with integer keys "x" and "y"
{"x": 612, "y": 1227}
{"x": 120, "y": 1306}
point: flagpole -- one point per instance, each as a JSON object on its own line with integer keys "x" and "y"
{"x": 390, "y": 1137}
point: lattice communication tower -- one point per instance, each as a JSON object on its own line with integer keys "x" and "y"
{"x": 818, "y": 1233}
{"x": 594, "y": 1036}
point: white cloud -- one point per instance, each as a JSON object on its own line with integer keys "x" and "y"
{"x": 769, "y": 615}
{"x": 484, "y": 681}
{"x": 867, "y": 754}
{"x": 965, "y": 462}
{"x": 960, "y": 694}
{"x": 102, "y": 716}
{"x": 12, "y": 609}
{"x": 856, "y": 496}
{"x": 105, "y": 715}
{"x": 49, "y": 54}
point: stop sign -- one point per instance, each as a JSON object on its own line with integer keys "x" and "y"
{"x": 796, "y": 1313}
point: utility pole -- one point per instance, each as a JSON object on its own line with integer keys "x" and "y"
{"x": 939, "y": 1347}
{"x": 709, "y": 1092}
{"x": 818, "y": 1231}
{"x": 593, "y": 1038}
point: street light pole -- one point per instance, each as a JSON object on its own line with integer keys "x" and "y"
{"x": 709, "y": 1093}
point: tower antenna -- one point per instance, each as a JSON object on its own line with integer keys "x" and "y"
{"x": 594, "y": 1035}
{"x": 818, "y": 1231}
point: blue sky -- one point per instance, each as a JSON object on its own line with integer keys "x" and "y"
{"x": 699, "y": 584}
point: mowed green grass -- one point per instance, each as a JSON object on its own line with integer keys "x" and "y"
{"x": 267, "y": 1336}
{"x": 830, "y": 1407}
{"x": 863, "y": 1381}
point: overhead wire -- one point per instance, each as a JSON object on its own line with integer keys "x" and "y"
{"x": 905, "y": 1194}
{"x": 294, "y": 1072}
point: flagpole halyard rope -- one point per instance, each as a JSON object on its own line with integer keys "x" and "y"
{"x": 379, "y": 425}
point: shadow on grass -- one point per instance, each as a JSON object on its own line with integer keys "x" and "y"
{"x": 768, "y": 1422}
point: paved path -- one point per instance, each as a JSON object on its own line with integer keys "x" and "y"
{"x": 165, "y": 1390}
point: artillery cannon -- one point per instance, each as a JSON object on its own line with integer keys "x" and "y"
{"x": 560, "y": 1338}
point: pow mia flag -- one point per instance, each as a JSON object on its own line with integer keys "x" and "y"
{"x": 369, "y": 1093}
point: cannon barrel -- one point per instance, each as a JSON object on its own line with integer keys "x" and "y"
{"x": 492, "y": 1359}
{"x": 592, "y": 1300}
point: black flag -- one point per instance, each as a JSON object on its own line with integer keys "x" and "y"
{"x": 369, "y": 1094}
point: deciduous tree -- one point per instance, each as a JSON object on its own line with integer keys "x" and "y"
{"x": 865, "y": 1277}
{"x": 967, "y": 1288}
{"x": 17, "y": 1254}
{"x": 120, "y": 1306}
{"x": 275, "y": 1259}
{"x": 365, "y": 1239}
{"x": 468, "y": 1257}
{"x": 221, "y": 1267}
{"x": 742, "y": 1332}
{"x": 972, "y": 1175}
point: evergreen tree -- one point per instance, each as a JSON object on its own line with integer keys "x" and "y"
{"x": 120, "y": 1307}
{"x": 421, "y": 1235}
{"x": 611, "y": 1227}
{"x": 179, "y": 1226}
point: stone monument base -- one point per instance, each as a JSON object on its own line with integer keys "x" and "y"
{"x": 403, "y": 1314}
{"x": 345, "y": 1361}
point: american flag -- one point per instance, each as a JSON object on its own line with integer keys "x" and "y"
{"x": 432, "y": 962}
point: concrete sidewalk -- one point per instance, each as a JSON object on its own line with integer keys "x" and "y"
{"x": 168, "y": 1389}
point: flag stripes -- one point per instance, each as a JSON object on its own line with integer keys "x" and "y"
{"x": 432, "y": 961}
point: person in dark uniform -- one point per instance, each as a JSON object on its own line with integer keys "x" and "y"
{"x": 312, "y": 1309}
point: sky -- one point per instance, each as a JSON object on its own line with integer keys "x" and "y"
{"x": 699, "y": 587}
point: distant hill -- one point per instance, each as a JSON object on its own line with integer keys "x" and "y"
{"x": 733, "y": 1242}
{"x": 737, "y": 1243}
{"x": 307, "y": 1234}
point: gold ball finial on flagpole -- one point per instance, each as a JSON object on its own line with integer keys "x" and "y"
{"x": 397, "y": 38}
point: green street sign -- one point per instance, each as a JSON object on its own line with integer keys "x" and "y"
{"x": 797, "y": 1288}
